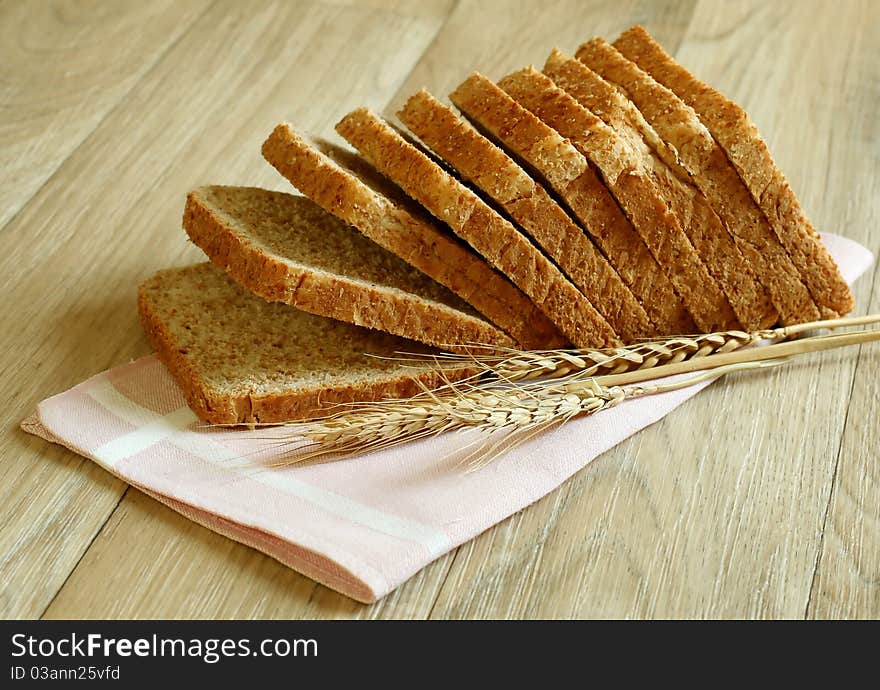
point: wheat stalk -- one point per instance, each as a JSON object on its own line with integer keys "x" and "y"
{"x": 757, "y": 354}
{"x": 371, "y": 427}
{"x": 529, "y": 365}
{"x": 524, "y": 411}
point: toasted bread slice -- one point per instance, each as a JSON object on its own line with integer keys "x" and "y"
{"x": 554, "y": 160}
{"x": 732, "y": 128}
{"x": 626, "y": 175}
{"x": 491, "y": 170}
{"x": 678, "y": 124}
{"x": 285, "y": 248}
{"x": 344, "y": 185}
{"x": 748, "y": 297}
{"x": 478, "y": 224}
{"x": 242, "y": 360}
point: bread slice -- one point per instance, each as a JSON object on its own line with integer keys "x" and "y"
{"x": 284, "y": 248}
{"x": 679, "y": 126}
{"x": 748, "y": 297}
{"x": 736, "y": 133}
{"x": 627, "y": 178}
{"x": 242, "y": 360}
{"x": 487, "y": 167}
{"x": 478, "y": 224}
{"x": 344, "y": 185}
{"x": 564, "y": 169}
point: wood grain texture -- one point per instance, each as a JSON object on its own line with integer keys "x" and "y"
{"x": 718, "y": 509}
{"x": 757, "y": 498}
{"x": 183, "y": 570}
{"x": 831, "y": 155}
{"x": 65, "y": 66}
{"x": 846, "y": 583}
{"x": 110, "y": 217}
{"x": 498, "y": 36}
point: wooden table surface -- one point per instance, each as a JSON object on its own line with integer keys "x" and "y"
{"x": 758, "y": 498}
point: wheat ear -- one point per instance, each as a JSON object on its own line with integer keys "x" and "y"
{"x": 756, "y": 354}
{"x": 371, "y": 427}
{"x": 523, "y": 411}
{"x": 529, "y": 365}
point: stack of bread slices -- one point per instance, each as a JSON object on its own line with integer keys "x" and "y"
{"x": 610, "y": 197}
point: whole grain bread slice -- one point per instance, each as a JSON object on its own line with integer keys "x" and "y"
{"x": 491, "y": 170}
{"x": 628, "y": 179}
{"x": 748, "y": 297}
{"x": 344, "y": 185}
{"x": 477, "y": 223}
{"x": 678, "y": 124}
{"x": 553, "y": 159}
{"x": 242, "y": 360}
{"x": 285, "y": 248}
{"x": 732, "y": 128}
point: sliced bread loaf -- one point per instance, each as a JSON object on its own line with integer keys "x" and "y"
{"x": 344, "y": 185}
{"x": 732, "y": 128}
{"x": 748, "y": 297}
{"x": 554, "y": 160}
{"x": 478, "y": 224}
{"x": 285, "y": 248}
{"x": 486, "y": 166}
{"x": 627, "y": 177}
{"x": 241, "y": 360}
{"x": 678, "y": 124}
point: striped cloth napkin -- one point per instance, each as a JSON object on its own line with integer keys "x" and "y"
{"x": 360, "y": 526}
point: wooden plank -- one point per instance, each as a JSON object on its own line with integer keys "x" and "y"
{"x": 496, "y": 37}
{"x": 847, "y": 579}
{"x": 181, "y": 570}
{"x": 110, "y": 217}
{"x": 717, "y": 510}
{"x": 65, "y": 66}
{"x": 414, "y": 599}
{"x": 825, "y": 139}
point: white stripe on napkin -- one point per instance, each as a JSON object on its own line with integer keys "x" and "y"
{"x": 132, "y": 443}
{"x": 172, "y": 427}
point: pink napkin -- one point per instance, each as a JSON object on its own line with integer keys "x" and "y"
{"x": 361, "y": 526}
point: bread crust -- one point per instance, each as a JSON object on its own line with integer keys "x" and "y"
{"x": 748, "y": 297}
{"x": 678, "y": 124}
{"x": 626, "y": 176}
{"x": 732, "y": 128}
{"x": 323, "y": 293}
{"x": 555, "y": 160}
{"x": 478, "y": 224}
{"x": 218, "y": 407}
{"x": 415, "y": 237}
{"x": 486, "y": 166}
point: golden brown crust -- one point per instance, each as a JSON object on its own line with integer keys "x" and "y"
{"x": 749, "y": 299}
{"x": 732, "y": 128}
{"x": 625, "y": 175}
{"x": 712, "y": 172}
{"x": 413, "y": 236}
{"x": 568, "y": 173}
{"x": 328, "y": 294}
{"x": 478, "y": 224}
{"x": 490, "y": 169}
{"x": 217, "y": 406}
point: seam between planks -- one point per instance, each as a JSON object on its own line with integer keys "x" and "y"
{"x": 440, "y": 28}
{"x": 122, "y": 98}
{"x": 86, "y": 550}
{"x": 102, "y": 527}
{"x": 817, "y": 563}
{"x": 686, "y": 28}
